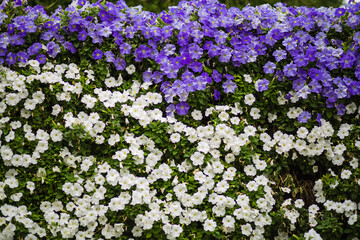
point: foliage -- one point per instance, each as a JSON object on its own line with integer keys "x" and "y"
{"x": 201, "y": 122}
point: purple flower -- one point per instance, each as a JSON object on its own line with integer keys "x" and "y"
{"x": 53, "y": 49}
{"x": 17, "y": 40}
{"x": 183, "y": 95}
{"x": 318, "y": 119}
{"x": 34, "y": 49}
{"x": 216, "y": 76}
{"x": 18, "y": 3}
{"x": 289, "y": 43}
{"x": 225, "y": 54}
{"x": 208, "y": 32}
{"x": 185, "y": 59}
{"x": 125, "y": 48}
{"x": 301, "y": 60}
{"x": 167, "y": 32}
{"x": 304, "y": 117}
{"x": 46, "y": 36}
{"x": 41, "y": 58}
{"x": 30, "y": 27}
{"x": 195, "y": 51}
{"x": 182, "y": 108}
{"x": 216, "y": 95}
{"x": 196, "y": 66}
{"x": 197, "y": 36}
{"x": 11, "y": 28}
{"x": 157, "y": 76}
{"x": 269, "y": 67}
{"x": 214, "y": 51}
{"x": 279, "y": 55}
{"x": 22, "y": 57}
{"x": 331, "y": 96}
{"x": 97, "y": 54}
{"x": 171, "y": 71}
{"x": 82, "y": 35}
{"x": 341, "y": 91}
{"x": 290, "y": 70}
{"x": 339, "y": 12}
{"x": 298, "y": 84}
{"x": 229, "y": 86}
{"x": 347, "y": 61}
{"x": 81, "y": 2}
{"x": 341, "y": 109}
{"x": 141, "y": 52}
{"x": 303, "y": 92}
{"x": 147, "y": 75}
{"x": 11, "y": 58}
{"x": 169, "y": 49}
{"x": 3, "y": 52}
{"x": 170, "y": 110}
{"x": 357, "y": 73}
{"x": 200, "y": 83}
{"x": 165, "y": 86}
{"x": 110, "y": 56}
{"x": 262, "y": 85}
{"x": 354, "y": 88}
{"x": 120, "y": 64}
{"x": 70, "y": 47}
{"x": 183, "y": 38}
{"x": 220, "y": 37}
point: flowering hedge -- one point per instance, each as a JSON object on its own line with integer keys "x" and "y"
{"x": 200, "y": 122}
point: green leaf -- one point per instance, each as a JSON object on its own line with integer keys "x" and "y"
{"x": 329, "y": 114}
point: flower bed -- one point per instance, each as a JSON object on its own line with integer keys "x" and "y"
{"x": 200, "y": 122}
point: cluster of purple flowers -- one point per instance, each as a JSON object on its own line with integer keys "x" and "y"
{"x": 182, "y": 47}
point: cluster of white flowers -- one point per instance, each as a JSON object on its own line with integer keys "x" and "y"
{"x": 210, "y": 163}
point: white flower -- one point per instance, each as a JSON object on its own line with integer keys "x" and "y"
{"x": 228, "y": 221}
{"x": 38, "y": 97}
{"x": 16, "y": 197}
{"x": 56, "y": 135}
{"x": 30, "y": 104}
{"x": 250, "y": 130}
{"x": 221, "y": 187}
{"x": 209, "y": 225}
{"x": 247, "y": 78}
{"x": 246, "y": 229}
{"x": 249, "y": 99}
{"x": 229, "y": 158}
{"x": 56, "y": 110}
{"x": 130, "y": 69}
{"x": 12, "y": 182}
{"x": 255, "y": 113}
{"x": 223, "y": 116}
{"x": 89, "y": 101}
{"x": 352, "y": 219}
{"x": 196, "y": 114}
{"x": 271, "y": 117}
{"x": 345, "y": 174}
{"x": 302, "y": 132}
{"x": 203, "y": 147}
{"x": 175, "y": 137}
{"x": 313, "y": 235}
{"x": 299, "y": 203}
{"x": 235, "y": 120}
{"x": 250, "y": 170}
{"x": 351, "y": 108}
{"x": 285, "y": 189}
{"x": 31, "y": 186}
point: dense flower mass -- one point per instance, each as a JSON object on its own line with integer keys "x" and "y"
{"x": 198, "y": 122}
